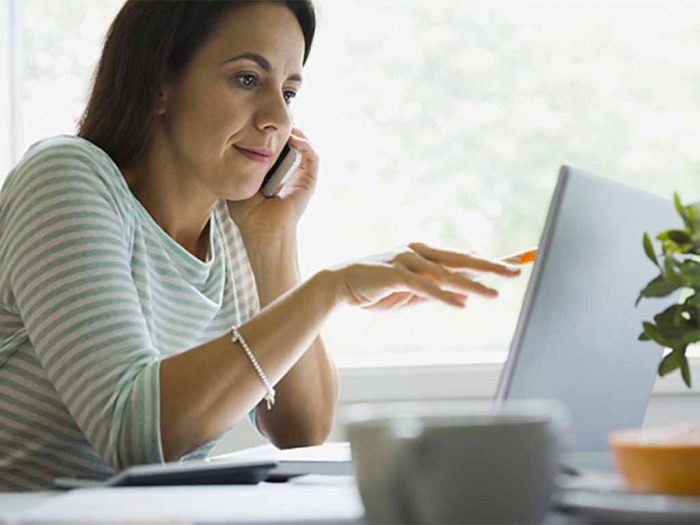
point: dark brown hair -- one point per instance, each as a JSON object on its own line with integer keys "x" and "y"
{"x": 148, "y": 42}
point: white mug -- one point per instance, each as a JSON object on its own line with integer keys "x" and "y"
{"x": 457, "y": 463}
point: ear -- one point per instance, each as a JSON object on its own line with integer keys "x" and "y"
{"x": 163, "y": 97}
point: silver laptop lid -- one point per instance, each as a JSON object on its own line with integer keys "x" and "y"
{"x": 576, "y": 337}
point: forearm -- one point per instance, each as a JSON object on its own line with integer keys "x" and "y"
{"x": 206, "y": 390}
{"x": 307, "y": 394}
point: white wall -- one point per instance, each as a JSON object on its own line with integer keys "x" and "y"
{"x": 5, "y": 88}
{"x": 671, "y": 402}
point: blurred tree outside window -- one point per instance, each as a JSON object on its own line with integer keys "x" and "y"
{"x": 446, "y": 122}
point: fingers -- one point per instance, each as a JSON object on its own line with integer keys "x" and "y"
{"x": 429, "y": 288}
{"x": 454, "y": 281}
{"x": 452, "y": 259}
{"x": 306, "y": 174}
{"x": 300, "y": 141}
{"x": 297, "y": 131}
{"x": 417, "y": 299}
{"x": 398, "y": 279}
{"x": 396, "y": 301}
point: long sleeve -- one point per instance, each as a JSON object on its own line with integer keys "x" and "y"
{"x": 65, "y": 261}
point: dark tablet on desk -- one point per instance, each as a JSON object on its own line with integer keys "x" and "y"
{"x": 249, "y": 466}
{"x": 182, "y": 473}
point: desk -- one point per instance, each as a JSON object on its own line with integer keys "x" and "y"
{"x": 310, "y": 500}
{"x": 12, "y": 503}
{"x": 300, "y": 502}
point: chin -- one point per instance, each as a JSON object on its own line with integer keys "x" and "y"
{"x": 238, "y": 188}
{"x": 241, "y": 194}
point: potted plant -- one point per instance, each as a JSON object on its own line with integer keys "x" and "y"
{"x": 678, "y": 326}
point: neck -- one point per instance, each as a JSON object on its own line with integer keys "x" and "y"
{"x": 174, "y": 201}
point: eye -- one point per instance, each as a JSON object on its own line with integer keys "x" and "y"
{"x": 247, "y": 80}
{"x": 289, "y": 95}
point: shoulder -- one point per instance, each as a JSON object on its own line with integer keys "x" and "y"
{"x": 64, "y": 152}
{"x": 68, "y": 147}
{"x": 67, "y": 161}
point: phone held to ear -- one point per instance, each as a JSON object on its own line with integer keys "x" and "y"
{"x": 281, "y": 170}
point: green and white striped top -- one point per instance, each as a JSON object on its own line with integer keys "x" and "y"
{"x": 93, "y": 295}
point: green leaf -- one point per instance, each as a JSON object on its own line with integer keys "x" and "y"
{"x": 658, "y": 335}
{"x": 693, "y": 310}
{"x": 676, "y": 359}
{"x": 658, "y": 287}
{"x": 685, "y": 370}
{"x": 644, "y": 337}
{"x": 693, "y": 213}
{"x": 679, "y": 236}
{"x": 669, "y": 363}
{"x": 690, "y": 337}
{"x": 649, "y": 250}
{"x": 680, "y": 208}
{"x": 671, "y": 336}
{"x": 670, "y": 272}
{"x": 671, "y": 316}
{"x": 690, "y": 272}
{"x": 663, "y": 236}
{"x": 676, "y": 241}
{"x": 693, "y": 301}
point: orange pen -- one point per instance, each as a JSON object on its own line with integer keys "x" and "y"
{"x": 521, "y": 258}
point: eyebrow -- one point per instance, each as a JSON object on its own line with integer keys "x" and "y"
{"x": 263, "y": 62}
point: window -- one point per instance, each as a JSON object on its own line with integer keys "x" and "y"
{"x": 6, "y": 79}
{"x": 442, "y": 121}
{"x": 60, "y": 45}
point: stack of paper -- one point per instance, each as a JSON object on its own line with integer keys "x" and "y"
{"x": 328, "y": 459}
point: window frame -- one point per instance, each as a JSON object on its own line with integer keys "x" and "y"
{"x": 464, "y": 381}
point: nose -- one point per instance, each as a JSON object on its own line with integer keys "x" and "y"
{"x": 273, "y": 114}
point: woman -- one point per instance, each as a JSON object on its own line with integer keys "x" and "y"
{"x": 135, "y": 258}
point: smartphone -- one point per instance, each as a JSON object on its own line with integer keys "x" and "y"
{"x": 281, "y": 170}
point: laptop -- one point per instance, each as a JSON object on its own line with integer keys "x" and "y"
{"x": 576, "y": 336}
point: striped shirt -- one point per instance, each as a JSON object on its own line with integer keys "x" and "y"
{"x": 93, "y": 295}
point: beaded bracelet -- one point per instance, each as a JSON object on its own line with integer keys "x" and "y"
{"x": 270, "y": 396}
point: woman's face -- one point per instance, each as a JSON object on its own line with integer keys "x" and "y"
{"x": 234, "y": 97}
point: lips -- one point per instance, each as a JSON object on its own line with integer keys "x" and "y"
{"x": 261, "y": 155}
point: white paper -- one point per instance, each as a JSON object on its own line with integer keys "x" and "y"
{"x": 339, "y": 451}
{"x": 263, "y": 503}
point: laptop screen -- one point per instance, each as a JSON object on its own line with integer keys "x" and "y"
{"x": 576, "y": 337}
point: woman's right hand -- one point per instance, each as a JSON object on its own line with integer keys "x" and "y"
{"x": 416, "y": 273}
